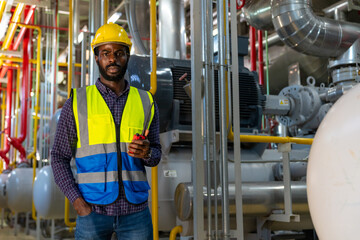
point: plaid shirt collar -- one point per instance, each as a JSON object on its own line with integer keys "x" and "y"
{"x": 104, "y": 90}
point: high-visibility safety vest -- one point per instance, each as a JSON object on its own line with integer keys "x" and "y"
{"x": 101, "y": 152}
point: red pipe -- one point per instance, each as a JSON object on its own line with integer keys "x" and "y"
{"x": 261, "y": 58}
{"x": 7, "y": 129}
{"x": 252, "y": 48}
{"x": 17, "y": 142}
{"x": 19, "y": 37}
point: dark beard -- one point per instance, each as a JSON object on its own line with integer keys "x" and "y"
{"x": 112, "y": 78}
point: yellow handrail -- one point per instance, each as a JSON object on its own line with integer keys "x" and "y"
{"x": 273, "y": 139}
{"x": 176, "y": 230}
{"x": 153, "y": 88}
{"x": 36, "y": 108}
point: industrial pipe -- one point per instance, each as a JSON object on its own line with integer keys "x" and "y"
{"x": 2, "y": 8}
{"x": 17, "y": 142}
{"x": 17, "y": 102}
{"x": 273, "y": 139}
{"x": 7, "y": 129}
{"x": 261, "y": 58}
{"x": 19, "y": 38}
{"x": 3, "y": 108}
{"x": 223, "y": 123}
{"x": 176, "y": 230}
{"x": 259, "y": 199}
{"x": 36, "y": 108}
{"x": 252, "y": 48}
{"x": 67, "y": 206}
{"x": 299, "y": 28}
{"x": 13, "y": 26}
{"x": 153, "y": 88}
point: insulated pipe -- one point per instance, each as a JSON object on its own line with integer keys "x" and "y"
{"x": 17, "y": 142}
{"x": 133, "y": 26}
{"x": 258, "y": 14}
{"x": 7, "y": 129}
{"x": 259, "y": 199}
{"x": 302, "y": 30}
{"x": 153, "y": 88}
{"x": 19, "y": 37}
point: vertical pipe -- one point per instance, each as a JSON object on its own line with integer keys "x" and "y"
{"x": 228, "y": 70}
{"x": 153, "y": 88}
{"x": 17, "y": 107}
{"x": 197, "y": 138}
{"x": 70, "y": 42}
{"x": 223, "y": 122}
{"x": 267, "y": 63}
{"x": 84, "y": 45}
{"x": 105, "y": 4}
{"x": 261, "y": 58}
{"x": 252, "y": 48}
{"x": 54, "y": 60}
{"x": 7, "y": 132}
{"x": 236, "y": 123}
{"x": 76, "y": 21}
{"x": 207, "y": 134}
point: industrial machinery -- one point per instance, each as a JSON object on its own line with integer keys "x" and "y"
{"x": 235, "y": 152}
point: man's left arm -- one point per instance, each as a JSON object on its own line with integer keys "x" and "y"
{"x": 149, "y": 149}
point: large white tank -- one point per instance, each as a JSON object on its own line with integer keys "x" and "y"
{"x": 19, "y": 189}
{"x": 3, "y": 178}
{"x": 48, "y": 199}
{"x": 333, "y": 175}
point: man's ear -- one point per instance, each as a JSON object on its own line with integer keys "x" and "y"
{"x": 96, "y": 58}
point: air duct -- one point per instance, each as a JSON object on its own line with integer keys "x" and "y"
{"x": 302, "y": 30}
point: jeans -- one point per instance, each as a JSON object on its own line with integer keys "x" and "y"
{"x": 136, "y": 226}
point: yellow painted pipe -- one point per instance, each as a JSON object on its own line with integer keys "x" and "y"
{"x": 37, "y": 94}
{"x": 70, "y": 70}
{"x": 176, "y": 230}
{"x": 17, "y": 97}
{"x": 273, "y": 139}
{"x": 34, "y": 61}
{"x": 70, "y": 60}
{"x": 13, "y": 25}
{"x": 106, "y": 10}
{"x": 2, "y": 8}
{"x": 153, "y": 88}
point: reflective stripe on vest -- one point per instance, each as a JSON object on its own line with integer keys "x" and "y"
{"x": 96, "y": 150}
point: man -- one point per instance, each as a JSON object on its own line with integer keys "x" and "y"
{"x": 97, "y": 127}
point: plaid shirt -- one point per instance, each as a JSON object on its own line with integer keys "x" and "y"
{"x": 65, "y": 146}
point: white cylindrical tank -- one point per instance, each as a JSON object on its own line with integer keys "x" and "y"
{"x": 19, "y": 189}
{"x": 48, "y": 199}
{"x": 333, "y": 175}
{"x": 3, "y": 178}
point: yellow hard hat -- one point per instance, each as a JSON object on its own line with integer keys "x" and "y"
{"x": 110, "y": 33}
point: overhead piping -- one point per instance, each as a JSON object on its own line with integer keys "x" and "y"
{"x": 19, "y": 38}
{"x": 299, "y": 28}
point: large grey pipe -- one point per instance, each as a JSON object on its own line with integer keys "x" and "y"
{"x": 298, "y": 27}
{"x": 259, "y": 199}
{"x": 302, "y": 30}
{"x": 172, "y": 29}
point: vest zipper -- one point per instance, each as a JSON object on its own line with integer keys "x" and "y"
{"x": 117, "y": 127}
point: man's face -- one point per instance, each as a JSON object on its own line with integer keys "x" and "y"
{"x": 112, "y": 61}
